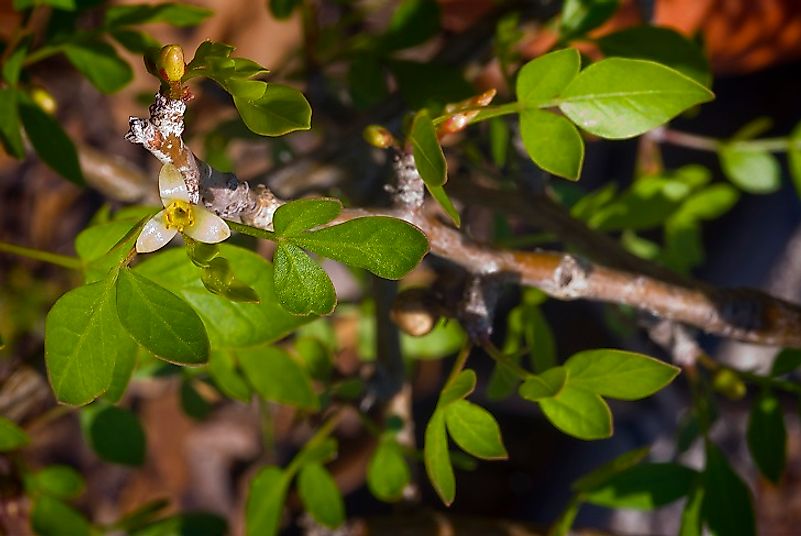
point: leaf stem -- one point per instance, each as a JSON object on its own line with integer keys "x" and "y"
{"x": 252, "y": 231}
{"x": 505, "y": 360}
{"x": 710, "y": 144}
{"x": 459, "y": 364}
{"x": 321, "y": 435}
{"x": 72, "y": 263}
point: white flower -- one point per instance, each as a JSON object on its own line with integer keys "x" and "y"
{"x": 179, "y": 216}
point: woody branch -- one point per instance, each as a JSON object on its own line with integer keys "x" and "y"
{"x": 740, "y": 314}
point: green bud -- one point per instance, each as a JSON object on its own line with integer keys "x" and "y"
{"x": 378, "y": 136}
{"x": 729, "y": 384}
{"x": 171, "y": 63}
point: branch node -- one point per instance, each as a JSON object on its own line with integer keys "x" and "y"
{"x": 409, "y": 191}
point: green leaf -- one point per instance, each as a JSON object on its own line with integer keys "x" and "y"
{"x": 544, "y": 78}
{"x": 621, "y": 98}
{"x": 141, "y": 515}
{"x": 786, "y": 361}
{"x": 388, "y": 473}
{"x": 278, "y": 111}
{"x": 367, "y": 81}
{"x": 179, "y": 15}
{"x": 727, "y": 500}
{"x": 12, "y": 437}
{"x": 302, "y": 286}
{"x": 427, "y": 152}
{"x": 192, "y": 403}
{"x": 438, "y": 193}
{"x": 460, "y": 387}
{"x": 552, "y": 142}
{"x": 218, "y": 277}
{"x": 753, "y": 171}
{"x": 228, "y": 324}
{"x": 266, "y": 501}
{"x": 545, "y": 385}
{"x": 51, "y": 517}
{"x": 316, "y": 357}
{"x": 692, "y": 515}
{"x": 160, "y": 321}
{"x": 644, "y": 487}
{"x": 601, "y": 474}
{"x": 388, "y": 247}
{"x": 66, "y": 5}
{"x": 301, "y": 215}
{"x": 793, "y": 154}
{"x": 83, "y": 342}
{"x": 320, "y": 495}
{"x": 708, "y": 204}
{"x": 52, "y": 144}
{"x": 186, "y": 524}
{"x": 59, "y": 481}
{"x": 123, "y": 370}
{"x": 10, "y": 123}
{"x": 662, "y": 45}
{"x": 100, "y": 64}
{"x": 412, "y": 22}
{"x": 767, "y": 437}
{"x": 317, "y": 452}
{"x": 619, "y": 374}
{"x": 14, "y": 62}
{"x": 429, "y": 84}
{"x": 115, "y": 434}
{"x": 581, "y": 16}
{"x": 135, "y": 41}
{"x": 475, "y": 430}
{"x": 223, "y": 370}
{"x": 499, "y": 141}
{"x": 579, "y": 413}
{"x": 437, "y": 459}
{"x": 276, "y": 376}
{"x": 101, "y": 247}
{"x": 282, "y": 9}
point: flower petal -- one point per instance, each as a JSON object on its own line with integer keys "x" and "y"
{"x": 171, "y": 185}
{"x": 154, "y": 234}
{"x": 208, "y": 227}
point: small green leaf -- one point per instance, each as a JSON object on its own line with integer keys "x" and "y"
{"x": 475, "y": 430}
{"x": 579, "y": 413}
{"x": 460, "y": 387}
{"x": 644, "y": 487}
{"x": 662, "y": 45}
{"x": 302, "y": 286}
{"x": 11, "y": 436}
{"x": 186, "y": 524}
{"x": 282, "y": 9}
{"x": 218, "y": 278}
{"x": 115, "y": 434}
{"x": 83, "y": 342}
{"x": 278, "y": 111}
{"x": 581, "y": 16}
{"x": 192, "y": 403}
{"x": 135, "y": 41}
{"x": 66, "y": 5}
{"x": 123, "y": 370}
{"x": 321, "y": 496}
{"x": 52, "y": 144}
{"x": 266, "y": 501}
{"x": 160, "y": 321}
{"x": 14, "y": 62}
{"x": 756, "y": 172}
{"x": 102, "y": 249}
{"x": 545, "y": 77}
{"x": 621, "y": 98}
{"x": 223, "y": 371}
{"x": 10, "y": 123}
{"x": 552, "y": 142}
{"x": 786, "y": 361}
{"x": 276, "y": 376}
{"x": 438, "y": 193}
{"x": 545, "y": 385}
{"x": 179, "y": 15}
{"x": 499, "y": 141}
{"x": 727, "y": 500}
{"x": 601, "y": 474}
{"x": 793, "y": 154}
{"x": 427, "y": 152}
{"x": 412, "y": 22}
{"x": 59, "y": 481}
{"x": 303, "y": 214}
{"x": 692, "y": 515}
{"x": 437, "y": 459}
{"x": 388, "y": 247}
{"x": 767, "y": 437}
{"x": 317, "y": 452}
{"x": 708, "y": 204}
{"x": 100, "y": 64}
{"x": 388, "y": 473}
{"x": 51, "y": 517}
{"x": 316, "y": 356}
{"x": 619, "y": 374}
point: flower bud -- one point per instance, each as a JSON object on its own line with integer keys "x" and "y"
{"x": 171, "y": 63}
{"x": 729, "y": 384}
{"x": 379, "y": 137}
{"x": 44, "y": 100}
{"x": 415, "y": 312}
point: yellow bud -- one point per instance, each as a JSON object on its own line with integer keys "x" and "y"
{"x": 729, "y": 384}
{"x": 378, "y": 136}
{"x": 44, "y": 100}
{"x": 171, "y": 63}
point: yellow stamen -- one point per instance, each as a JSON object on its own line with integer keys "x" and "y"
{"x": 178, "y": 215}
